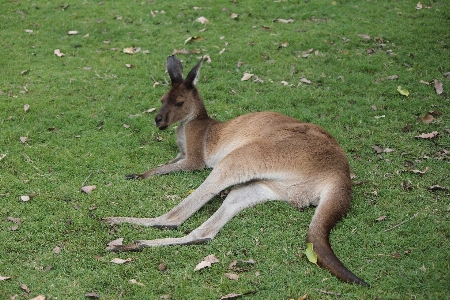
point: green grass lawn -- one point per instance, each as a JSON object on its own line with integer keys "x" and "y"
{"x": 80, "y": 119}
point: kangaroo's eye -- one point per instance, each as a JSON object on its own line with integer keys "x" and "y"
{"x": 179, "y": 104}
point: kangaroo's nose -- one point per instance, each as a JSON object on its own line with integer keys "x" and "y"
{"x": 158, "y": 119}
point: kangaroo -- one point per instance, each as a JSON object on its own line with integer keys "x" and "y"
{"x": 263, "y": 156}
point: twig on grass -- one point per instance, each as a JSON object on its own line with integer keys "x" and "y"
{"x": 89, "y": 176}
{"x": 401, "y": 223}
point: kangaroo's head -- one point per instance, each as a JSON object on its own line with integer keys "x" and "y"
{"x": 182, "y": 102}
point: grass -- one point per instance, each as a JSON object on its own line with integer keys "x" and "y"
{"x": 79, "y": 104}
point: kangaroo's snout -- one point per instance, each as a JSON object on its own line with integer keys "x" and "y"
{"x": 159, "y": 121}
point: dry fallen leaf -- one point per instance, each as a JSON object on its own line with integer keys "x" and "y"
{"x": 246, "y": 76}
{"x": 438, "y": 87}
{"x": 437, "y": 188}
{"x": 428, "y": 135}
{"x": 421, "y": 172}
{"x": 129, "y": 50}
{"x": 185, "y": 51}
{"x": 117, "y": 242}
{"x": 193, "y": 39}
{"x": 23, "y": 139}
{"x": 231, "y": 296}
{"x": 285, "y": 21}
{"x": 419, "y": 5}
{"x": 234, "y": 16}
{"x": 381, "y": 218}
{"x": 202, "y": 20}
{"x": 3, "y": 278}
{"x": 25, "y": 288}
{"x": 15, "y": 220}
{"x": 206, "y": 262}
{"x": 92, "y": 295}
{"x": 364, "y": 36}
{"x": 26, "y": 107}
{"x": 72, "y": 32}
{"x": 424, "y": 82}
{"x": 304, "y": 80}
{"x": 28, "y": 31}
{"x": 393, "y": 77}
{"x": 119, "y": 261}
{"x": 88, "y": 189}
{"x": 428, "y": 118}
{"x": 150, "y": 110}
{"x": 447, "y": 75}
{"x": 25, "y": 198}
{"x": 134, "y": 281}
{"x": 39, "y": 297}
{"x": 56, "y": 250}
{"x": 58, "y": 53}
{"x": 232, "y": 276}
{"x": 2, "y": 156}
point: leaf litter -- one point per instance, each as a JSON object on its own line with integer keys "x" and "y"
{"x": 206, "y": 262}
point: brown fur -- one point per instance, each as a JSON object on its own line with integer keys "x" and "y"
{"x": 262, "y": 156}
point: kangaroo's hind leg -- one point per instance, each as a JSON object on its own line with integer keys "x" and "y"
{"x": 240, "y": 197}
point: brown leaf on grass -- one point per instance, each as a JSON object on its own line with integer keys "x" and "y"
{"x": 381, "y": 218}
{"x": 26, "y": 107}
{"x": 430, "y": 135}
{"x": 92, "y": 295}
{"x": 421, "y": 172}
{"x": 407, "y": 127}
{"x": 393, "y": 77}
{"x": 437, "y": 188}
{"x": 185, "y": 51}
{"x": 117, "y": 242}
{"x": 58, "y": 53}
{"x": 285, "y": 21}
{"x": 56, "y": 250}
{"x": 246, "y": 76}
{"x": 284, "y": 45}
{"x": 447, "y": 75}
{"x": 14, "y": 228}
{"x": 234, "y": 16}
{"x": 150, "y": 110}
{"x": 193, "y": 39}
{"x": 129, "y": 50}
{"x": 232, "y": 276}
{"x": 134, "y": 281}
{"x": 202, "y": 20}
{"x": 419, "y": 5}
{"x": 374, "y": 107}
{"x": 88, "y": 189}
{"x": 23, "y": 139}
{"x": 14, "y": 220}
{"x": 377, "y": 149}
{"x": 72, "y": 32}
{"x": 25, "y": 288}
{"x": 25, "y": 198}
{"x": 304, "y": 80}
{"x": 306, "y": 53}
{"x": 206, "y": 262}
{"x": 427, "y": 119}
{"x": 39, "y": 297}
{"x": 3, "y": 278}
{"x": 231, "y": 296}
{"x": 119, "y": 261}
{"x": 364, "y": 36}
{"x": 438, "y": 87}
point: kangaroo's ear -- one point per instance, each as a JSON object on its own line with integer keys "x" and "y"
{"x": 175, "y": 69}
{"x": 194, "y": 75}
